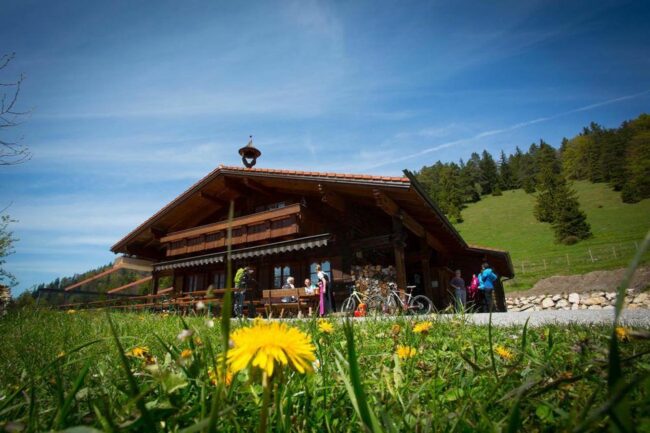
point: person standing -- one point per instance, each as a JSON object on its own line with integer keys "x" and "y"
{"x": 240, "y": 291}
{"x": 486, "y": 280}
{"x": 324, "y": 301}
{"x": 460, "y": 293}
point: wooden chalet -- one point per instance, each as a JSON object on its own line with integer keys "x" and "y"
{"x": 288, "y": 221}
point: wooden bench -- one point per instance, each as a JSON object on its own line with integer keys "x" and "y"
{"x": 273, "y": 300}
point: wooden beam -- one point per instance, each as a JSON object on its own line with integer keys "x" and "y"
{"x": 93, "y": 278}
{"x": 426, "y": 268}
{"x": 258, "y": 188}
{"x": 398, "y": 249}
{"x": 212, "y": 199}
{"x": 127, "y": 286}
{"x": 393, "y": 209}
{"x": 331, "y": 198}
{"x": 133, "y": 264}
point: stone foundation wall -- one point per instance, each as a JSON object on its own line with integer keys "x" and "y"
{"x": 577, "y": 301}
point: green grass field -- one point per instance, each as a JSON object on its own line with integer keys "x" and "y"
{"x": 61, "y": 370}
{"x": 507, "y": 222}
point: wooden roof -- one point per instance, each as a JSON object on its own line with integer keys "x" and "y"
{"x": 212, "y": 193}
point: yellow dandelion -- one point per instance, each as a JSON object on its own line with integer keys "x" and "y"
{"x": 267, "y": 345}
{"x": 141, "y": 352}
{"x": 396, "y": 329}
{"x": 405, "y": 352}
{"x": 325, "y": 327}
{"x": 198, "y": 341}
{"x": 622, "y": 333}
{"x": 185, "y": 354}
{"x": 214, "y": 377}
{"x": 70, "y": 311}
{"x": 503, "y": 352}
{"x": 422, "y": 327}
{"x": 61, "y": 354}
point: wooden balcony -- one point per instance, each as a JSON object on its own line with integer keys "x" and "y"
{"x": 257, "y": 227}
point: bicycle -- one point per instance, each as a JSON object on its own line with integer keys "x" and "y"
{"x": 418, "y": 304}
{"x": 373, "y": 301}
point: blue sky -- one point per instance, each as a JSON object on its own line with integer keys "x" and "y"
{"x": 134, "y": 101}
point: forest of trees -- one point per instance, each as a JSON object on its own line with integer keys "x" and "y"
{"x": 618, "y": 156}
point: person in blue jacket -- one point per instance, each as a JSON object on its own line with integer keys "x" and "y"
{"x": 486, "y": 280}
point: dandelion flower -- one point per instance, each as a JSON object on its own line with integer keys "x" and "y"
{"x": 266, "y": 345}
{"x": 395, "y": 330}
{"x": 198, "y": 341}
{"x": 61, "y": 354}
{"x": 185, "y": 354}
{"x": 622, "y": 333}
{"x": 141, "y": 352}
{"x": 503, "y": 352}
{"x": 214, "y": 377}
{"x": 71, "y": 311}
{"x": 325, "y": 327}
{"x": 422, "y": 327}
{"x": 200, "y": 305}
{"x": 209, "y": 323}
{"x": 405, "y": 352}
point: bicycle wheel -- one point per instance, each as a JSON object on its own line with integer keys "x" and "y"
{"x": 420, "y": 305}
{"x": 349, "y": 305}
{"x": 392, "y": 304}
{"x": 375, "y": 304}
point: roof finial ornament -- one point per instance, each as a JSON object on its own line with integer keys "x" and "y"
{"x": 249, "y": 153}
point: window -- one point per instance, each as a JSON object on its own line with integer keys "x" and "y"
{"x": 194, "y": 282}
{"x": 219, "y": 280}
{"x": 280, "y": 274}
{"x": 313, "y": 273}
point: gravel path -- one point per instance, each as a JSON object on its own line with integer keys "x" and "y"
{"x": 640, "y": 317}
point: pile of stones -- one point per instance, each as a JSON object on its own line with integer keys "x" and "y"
{"x": 578, "y": 301}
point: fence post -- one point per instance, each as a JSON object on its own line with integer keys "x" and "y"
{"x": 591, "y": 255}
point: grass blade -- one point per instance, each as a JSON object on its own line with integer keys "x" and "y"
{"x": 365, "y": 413}
{"x": 133, "y": 385}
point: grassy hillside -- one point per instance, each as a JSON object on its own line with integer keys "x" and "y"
{"x": 507, "y": 222}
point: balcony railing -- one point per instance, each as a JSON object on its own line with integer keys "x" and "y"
{"x": 256, "y": 227}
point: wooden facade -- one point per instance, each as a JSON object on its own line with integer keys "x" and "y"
{"x": 286, "y": 222}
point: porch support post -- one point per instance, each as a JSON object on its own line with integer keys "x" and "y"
{"x": 425, "y": 252}
{"x": 155, "y": 283}
{"x": 399, "y": 242}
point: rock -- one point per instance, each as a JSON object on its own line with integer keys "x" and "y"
{"x": 610, "y": 296}
{"x": 641, "y": 298}
{"x": 596, "y": 300}
{"x": 562, "y": 303}
{"x": 575, "y": 306}
{"x": 594, "y": 307}
{"x": 556, "y": 298}
{"x": 548, "y": 303}
{"x": 574, "y": 298}
{"x": 608, "y": 307}
{"x": 526, "y": 307}
{"x": 583, "y": 307}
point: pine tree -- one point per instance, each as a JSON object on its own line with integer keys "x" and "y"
{"x": 489, "y": 173}
{"x": 569, "y": 222}
{"x": 548, "y": 181}
{"x": 505, "y": 173}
